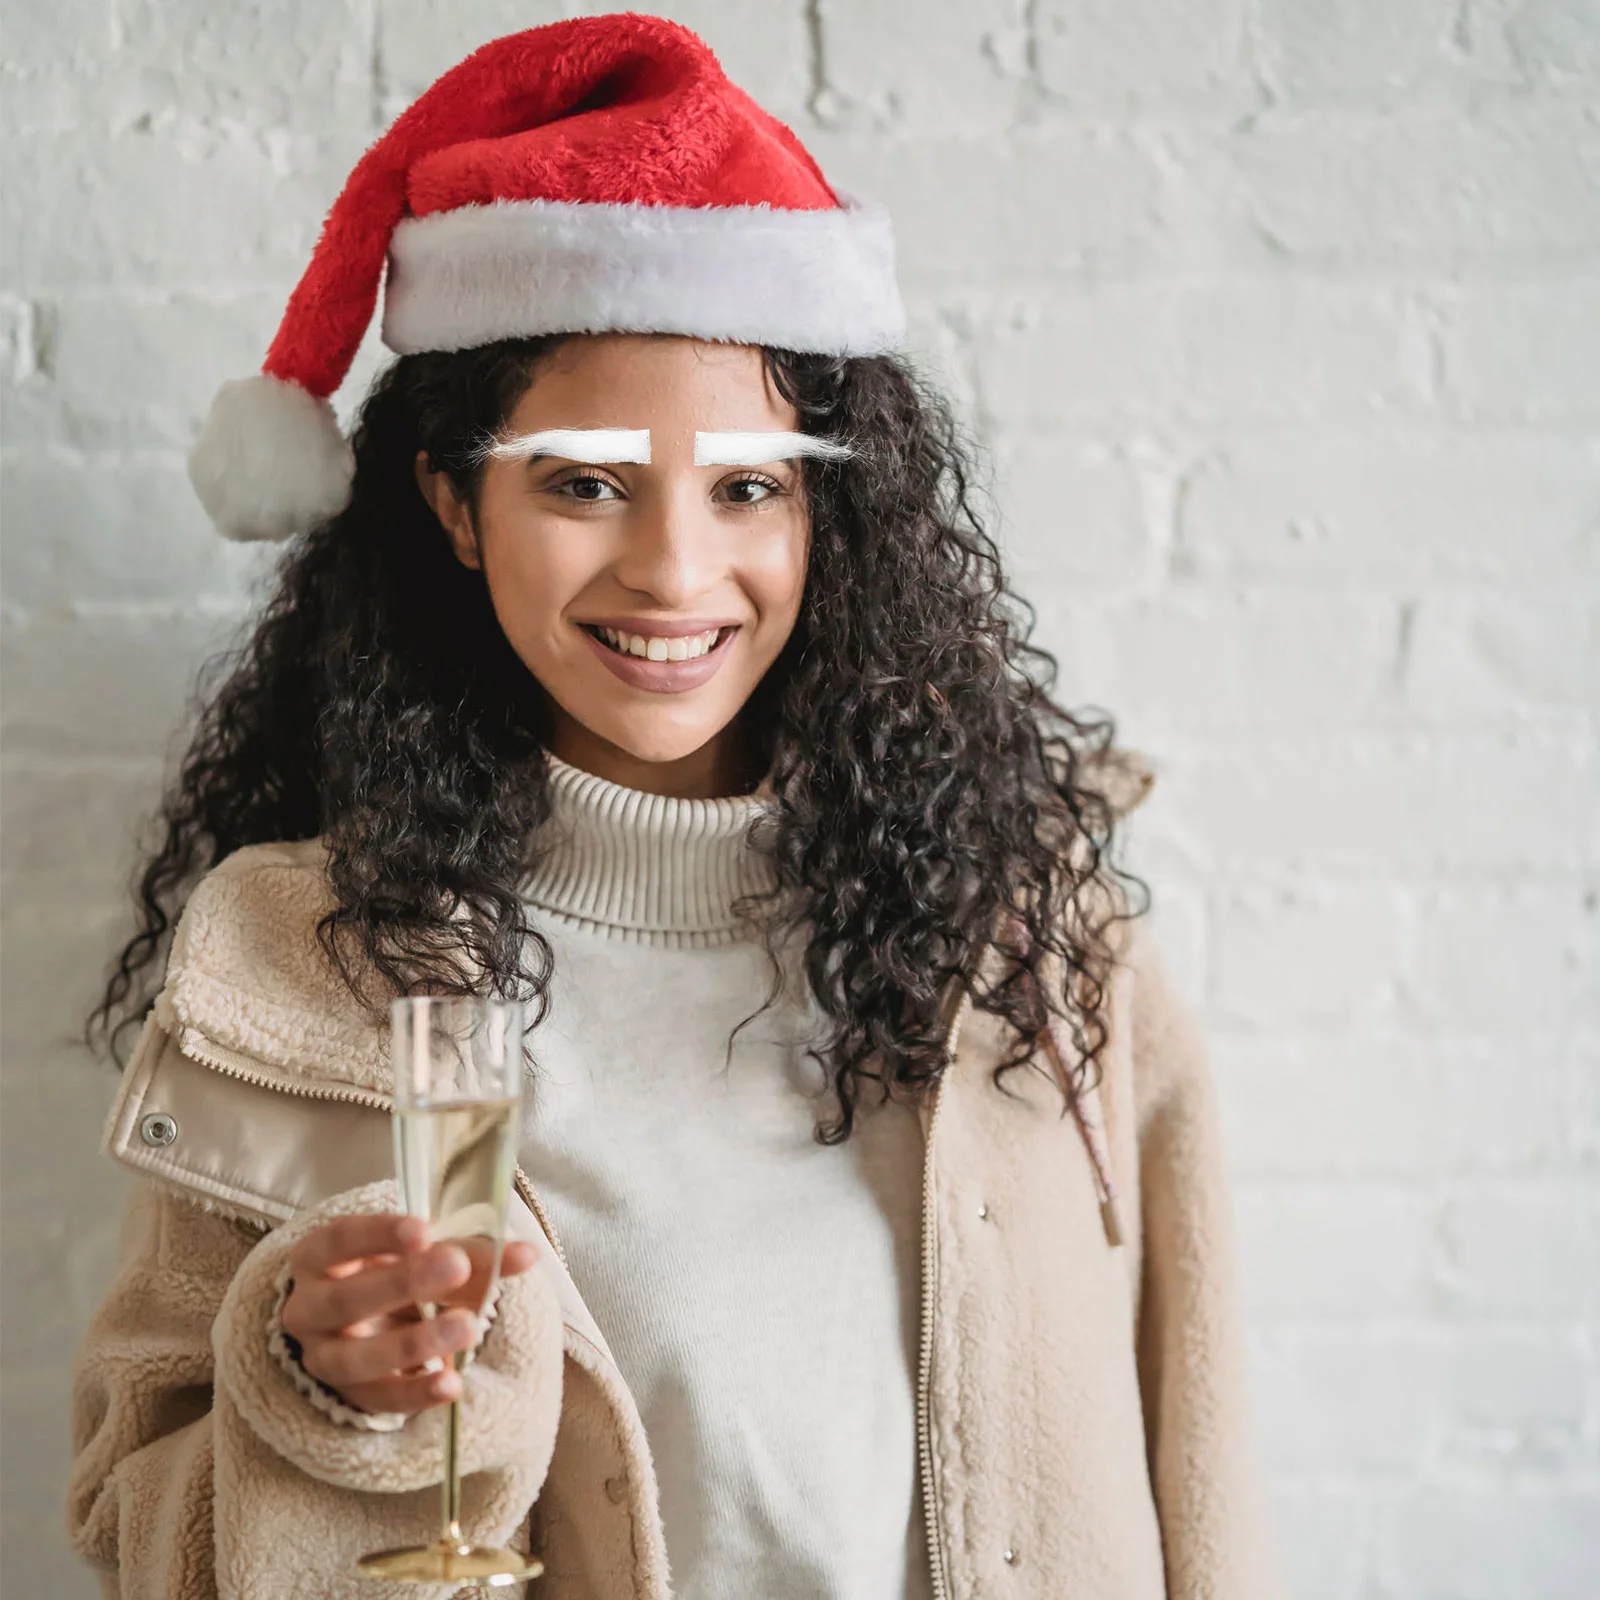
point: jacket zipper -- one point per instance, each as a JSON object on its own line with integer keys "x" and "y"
{"x": 525, "y": 1189}
{"x": 938, "y": 1571}
{"x": 198, "y": 1048}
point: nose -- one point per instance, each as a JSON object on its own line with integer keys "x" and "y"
{"x": 673, "y": 551}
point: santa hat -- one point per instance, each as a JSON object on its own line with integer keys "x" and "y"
{"x": 600, "y": 174}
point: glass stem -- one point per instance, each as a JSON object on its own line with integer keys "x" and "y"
{"x": 451, "y": 1508}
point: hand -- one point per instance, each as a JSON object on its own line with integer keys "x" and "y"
{"x": 358, "y": 1283}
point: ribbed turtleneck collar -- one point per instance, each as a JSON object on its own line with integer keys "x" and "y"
{"x": 647, "y": 868}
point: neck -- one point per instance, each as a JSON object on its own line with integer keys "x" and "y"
{"x": 650, "y": 868}
{"x": 716, "y": 770}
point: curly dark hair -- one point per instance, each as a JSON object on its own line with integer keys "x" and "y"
{"x": 925, "y": 779}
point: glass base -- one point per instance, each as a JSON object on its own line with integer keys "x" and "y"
{"x": 442, "y": 1561}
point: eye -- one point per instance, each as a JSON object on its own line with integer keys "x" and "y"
{"x": 588, "y": 483}
{"x": 767, "y": 487}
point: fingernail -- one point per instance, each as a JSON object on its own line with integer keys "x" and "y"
{"x": 433, "y": 1364}
{"x": 411, "y": 1232}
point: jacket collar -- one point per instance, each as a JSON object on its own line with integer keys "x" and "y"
{"x": 248, "y": 973}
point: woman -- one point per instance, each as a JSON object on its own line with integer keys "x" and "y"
{"x": 651, "y": 664}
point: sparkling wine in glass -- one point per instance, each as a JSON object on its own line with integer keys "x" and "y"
{"x": 457, "y": 1092}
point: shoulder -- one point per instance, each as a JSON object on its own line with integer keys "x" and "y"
{"x": 276, "y": 881}
{"x": 248, "y": 970}
{"x": 257, "y": 912}
{"x": 1155, "y": 1043}
{"x": 1165, "y": 1053}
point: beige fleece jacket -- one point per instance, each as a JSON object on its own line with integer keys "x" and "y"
{"x": 1084, "y": 1426}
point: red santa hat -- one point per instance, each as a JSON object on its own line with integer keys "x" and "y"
{"x": 600, "y": 174}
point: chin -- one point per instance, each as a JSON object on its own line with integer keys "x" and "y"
{"x": 658, "y": 742}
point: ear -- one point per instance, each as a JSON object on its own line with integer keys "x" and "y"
{"x": 454, "y": 515}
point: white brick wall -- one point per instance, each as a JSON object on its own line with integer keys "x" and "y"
{"x": 1281, "y": 319}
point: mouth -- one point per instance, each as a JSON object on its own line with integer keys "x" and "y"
{"x": 660, "y": 647}
{"x": 661, "y": 663}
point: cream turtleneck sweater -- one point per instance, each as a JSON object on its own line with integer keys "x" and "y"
{"x": 759, "y": 1290}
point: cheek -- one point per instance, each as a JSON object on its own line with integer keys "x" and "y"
{"x": 774, "y": 575}
{"x": 533, "y": 573}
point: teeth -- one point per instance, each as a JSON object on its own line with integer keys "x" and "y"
{"x": 684, "y": 647}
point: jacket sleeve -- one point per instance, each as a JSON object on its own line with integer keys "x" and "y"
{"x": 1199, "y": 1428}
{"x": 201, "y": 1472}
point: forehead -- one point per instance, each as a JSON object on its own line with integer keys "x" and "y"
{"x": 661, "y": 382}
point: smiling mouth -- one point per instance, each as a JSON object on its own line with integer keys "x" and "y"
{"x": 683, "y": 647}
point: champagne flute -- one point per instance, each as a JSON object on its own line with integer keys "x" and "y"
{"x": 457, "y": 1091}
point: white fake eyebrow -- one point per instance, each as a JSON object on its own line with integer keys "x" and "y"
{"x": 756, "y": 449}
{"x": 595, "y": 447}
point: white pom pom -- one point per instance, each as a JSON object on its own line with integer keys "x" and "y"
{"x": 270, "y": 460}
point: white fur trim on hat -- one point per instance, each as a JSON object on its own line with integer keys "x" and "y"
{"x": 806, "y": 280}
{"x": 270, "y": 460}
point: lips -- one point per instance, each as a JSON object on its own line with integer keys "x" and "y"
{"x": 662, "y": 677}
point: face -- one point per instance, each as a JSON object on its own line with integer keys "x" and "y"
{"x": 647, "y": 596}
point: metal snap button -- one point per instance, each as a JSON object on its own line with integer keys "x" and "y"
{"x": 158, "y": 1129}
{"x": 983, "y": 1212}
{"x": 1010, "y": 1556}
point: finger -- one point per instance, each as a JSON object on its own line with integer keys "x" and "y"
{"x": 407, "y": 1394}
{"x": 351, "y": 1238}
{"x": 381, "y": 1323}
{"x": 516, "y": 1257}
{"x": 481, "y": 1253}
{"x": 344, "y": 1361}
{"x": 343, "y": 1269}
{"x": 329, "y": 1305}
